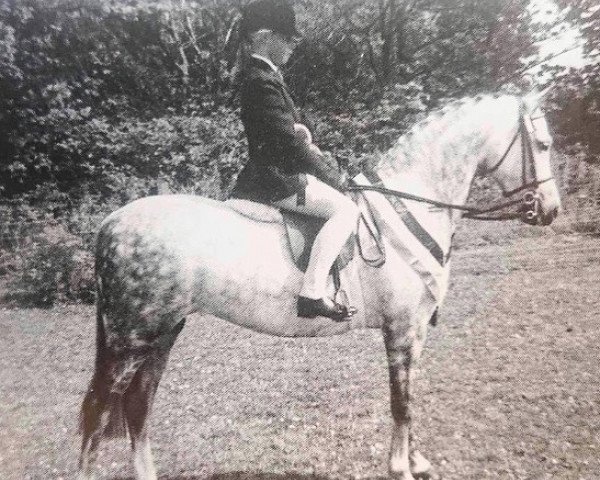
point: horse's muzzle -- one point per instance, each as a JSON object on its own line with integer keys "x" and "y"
{"x": 531, "y": 211}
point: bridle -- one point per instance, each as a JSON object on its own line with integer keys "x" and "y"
{"x": 530, "y": 206}
{"x": 527, "y": 133}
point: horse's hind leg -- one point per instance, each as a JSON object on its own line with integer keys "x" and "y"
{"x": 92, "y": 425}
{"x": 138, "y": 400}
{"x": 101, "y": 412}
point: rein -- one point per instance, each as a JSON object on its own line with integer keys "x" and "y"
{"x": 529, "y": 202}
{"x": 471, "y": 212}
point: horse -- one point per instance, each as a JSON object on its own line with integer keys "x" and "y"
{"x": 161, "y": 258}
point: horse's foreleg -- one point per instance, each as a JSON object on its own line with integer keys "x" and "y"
{"x": 399, "y": 460}
{"x": 405, "y": 463}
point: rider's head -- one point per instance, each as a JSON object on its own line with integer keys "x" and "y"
{"x": 269, "y": 28}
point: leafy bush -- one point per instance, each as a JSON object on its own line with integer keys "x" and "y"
{"x": 125, "y": 159}
{"x": 195, "y": 154}
{"x": 55, "y": 267}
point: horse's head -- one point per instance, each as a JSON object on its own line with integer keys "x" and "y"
{"x": 519, "y": 160}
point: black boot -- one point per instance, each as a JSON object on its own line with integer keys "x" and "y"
{"x": 324, "y": 307}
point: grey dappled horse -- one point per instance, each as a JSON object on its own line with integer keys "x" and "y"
{"x": 162, "y": 258}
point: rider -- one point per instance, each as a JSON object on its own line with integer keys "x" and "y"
{"x": 285, "y": 168}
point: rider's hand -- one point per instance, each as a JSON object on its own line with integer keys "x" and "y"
{"x": 316, "y": 150}
{"x": 303, "y": 132}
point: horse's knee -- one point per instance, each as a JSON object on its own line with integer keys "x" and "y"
{"x": 400, "y": 393}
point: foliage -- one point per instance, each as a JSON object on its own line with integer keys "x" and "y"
{"x": 358, "y": 49}
{"x": 66, "y": 66}
{"x": 195, "y": 154}
{"x": 55, "y": 267}
{"x": 585, "y": 15}
{"x": 126, "y": 158}
{"x": 78, "y": 75}
{"x": 576, "y": 96}
{"x": 575, "y": 112}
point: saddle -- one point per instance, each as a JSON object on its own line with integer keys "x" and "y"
{"x": 301, "y": 231}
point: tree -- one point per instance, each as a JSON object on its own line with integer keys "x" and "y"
{"x": 67, "y": 66}
{"x": 75, "y": 72}
{"x": 450, "y": 48}
{"x": 576, "y": 98}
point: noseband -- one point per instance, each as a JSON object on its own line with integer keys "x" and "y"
{"x": 529, "y": 209}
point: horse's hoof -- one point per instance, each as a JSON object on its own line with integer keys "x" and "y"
{"x": 401, "y": 476}
{"x": 86, "y": 476}
{"x": 420, "y": 467}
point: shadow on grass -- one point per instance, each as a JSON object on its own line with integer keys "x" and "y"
{"x": 248, "y": 476}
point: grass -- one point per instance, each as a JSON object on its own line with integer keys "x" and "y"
{"x": 507, "y": 386}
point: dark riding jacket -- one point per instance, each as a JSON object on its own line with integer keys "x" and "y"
{"x": 278, "y": 157}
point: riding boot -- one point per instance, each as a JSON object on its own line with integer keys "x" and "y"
{"x": 324, "y": 307}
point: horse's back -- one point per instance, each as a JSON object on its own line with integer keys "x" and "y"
{"x": 179, "y": 221}
{"x": 161, "y": 208}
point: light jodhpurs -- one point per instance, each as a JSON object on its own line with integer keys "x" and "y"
{"x": 341, "y": 213}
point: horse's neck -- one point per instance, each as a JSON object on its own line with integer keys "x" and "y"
{"x": 438, "y": 162}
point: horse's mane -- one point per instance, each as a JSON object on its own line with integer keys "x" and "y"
{"x": 449, "y": 131}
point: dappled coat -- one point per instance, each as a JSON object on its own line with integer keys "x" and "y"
{"x": 279, "y": 158}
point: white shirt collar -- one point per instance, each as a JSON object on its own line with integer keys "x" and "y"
{"x": 266, "y": 60}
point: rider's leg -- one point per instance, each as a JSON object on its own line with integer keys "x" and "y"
{"x": 341, "y": 213}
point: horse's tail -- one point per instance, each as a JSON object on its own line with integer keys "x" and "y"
{"x": 102, "y": 407}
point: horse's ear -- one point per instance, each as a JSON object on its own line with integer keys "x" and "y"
{"x": 535, "y": 98}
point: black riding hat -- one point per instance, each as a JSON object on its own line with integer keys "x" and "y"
{"x": 275, "y": 15}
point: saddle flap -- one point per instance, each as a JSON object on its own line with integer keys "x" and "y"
{"x": 301, "y": 233}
